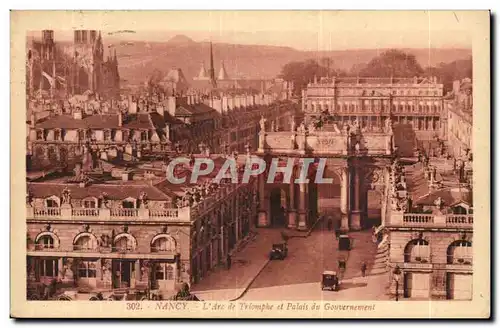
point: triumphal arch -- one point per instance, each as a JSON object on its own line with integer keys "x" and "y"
{"x": 357, "y": 158}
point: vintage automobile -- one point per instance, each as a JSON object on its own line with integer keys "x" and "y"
{"x": 278, "y": 252}
{"x": 330, "y": 281}
{"x": 345, "y": 243}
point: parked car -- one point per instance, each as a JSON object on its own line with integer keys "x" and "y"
{"x": 278, "y": 252}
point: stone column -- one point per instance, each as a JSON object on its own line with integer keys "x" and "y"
{"x": 302, "y": 207}
{"x": 355, "y": 223}
{"x": 344, "y": 199}
{"x": 263, "y": 217}
{"x": 292, "y": 213}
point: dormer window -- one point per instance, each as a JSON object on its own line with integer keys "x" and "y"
{"x": 81, "y": 135}
{"x": 57, "y": 135}
{"x": 144, "y": 136}
{"x": 39, "y": 135}
{"x": 107, "y": 135}
{"x": 89, "y": 203}
{"x": 51, "y": 202}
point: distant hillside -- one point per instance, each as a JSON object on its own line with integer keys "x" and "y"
{"x": 137, "y": 59}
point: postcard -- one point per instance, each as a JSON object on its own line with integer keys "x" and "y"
{"x": 250, "y": 164}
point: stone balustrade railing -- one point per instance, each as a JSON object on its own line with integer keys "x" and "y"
{"x": 99, "y": 214}
{"x": 431, "y": 220}
{"x": 459, "y": 220}
{"x": 418, "y": 219}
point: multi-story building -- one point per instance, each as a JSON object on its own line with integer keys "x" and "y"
{"x": 127, "y": 227}
{"x": 144, "y": 124}
{"x": 430, "y": 230}
{"x": 459, "y": 107}
{"x": 414, "y": 101}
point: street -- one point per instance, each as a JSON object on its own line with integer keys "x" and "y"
{"x": 298, "y": 277}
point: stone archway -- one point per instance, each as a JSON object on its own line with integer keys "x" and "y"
{"x": 277, "y": 207}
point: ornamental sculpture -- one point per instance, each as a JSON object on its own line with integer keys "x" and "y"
{"x": 143, "y": 199}
{"x": 66, "y": 196}
{"x": 262, "y": 123}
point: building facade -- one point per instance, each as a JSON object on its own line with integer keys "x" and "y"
{"x": 417, "y": 102}
{"x": 430, "y": 234}
{"x": 129, "y": 229}
{"x": 79, "y": 67}
{"x": 459, "y": 107}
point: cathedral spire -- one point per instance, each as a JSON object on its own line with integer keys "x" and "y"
{"x": 212, "y": 69}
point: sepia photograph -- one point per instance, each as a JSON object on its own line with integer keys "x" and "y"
{"x": 250, "y": 164}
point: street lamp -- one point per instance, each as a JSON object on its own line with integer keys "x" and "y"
{"x": 396, "y": 275}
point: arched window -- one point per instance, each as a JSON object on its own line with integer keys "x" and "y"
{"x": 417, "y": 250}
{"x": 124, "y": 242}
{"x": 459, "y": 252}
{"x": 459, "y": 209}
{"x": 89, "y": 202}
{"x": 46, "y": 240}
{"x": 85, "y": 242}
{"x": 129, "y": 203}
{"x": 163, "y": 243}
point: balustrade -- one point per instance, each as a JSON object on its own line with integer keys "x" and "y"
{"x": 85, "y": 212}
{"x": 124, "y": 212}
{"x": 418, "y": 219}
{"x": 47, "y": 211}
{"x": 459, "y": 220}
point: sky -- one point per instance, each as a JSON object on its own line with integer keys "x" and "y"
{"x": 302, "y": 30}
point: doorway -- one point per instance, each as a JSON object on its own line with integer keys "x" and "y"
{"x": 277, "y": 202}
{"x": 122, "y": 273}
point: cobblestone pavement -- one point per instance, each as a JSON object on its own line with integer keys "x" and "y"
{"x": 223, "y": 284}
{"x": 298, "y": 276}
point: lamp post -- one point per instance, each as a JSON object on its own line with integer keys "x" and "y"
{"x": 396, "y": 276}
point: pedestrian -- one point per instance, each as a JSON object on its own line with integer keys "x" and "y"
{"x": 228, "y": 261}
{"x": 330, "y": 225}
{"x": 363, "y": 269}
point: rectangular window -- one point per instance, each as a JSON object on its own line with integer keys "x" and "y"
{"x": 89, "y": 204}
{"x": 51, "y": 203}
{"x": 87, "y": 269}
{"x": 48, "y": 268}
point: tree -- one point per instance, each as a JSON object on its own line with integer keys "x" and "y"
{"x": 393, "y": 62}
{"x": 449, "y": 72}
{"x": 303, "y": 72}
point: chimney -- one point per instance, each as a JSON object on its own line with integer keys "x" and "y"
{"x": 78, "y": 114}
{"x": 160, "y": 109}
{"x": 456, "y": 87}
{"x": 120, "y": 118}
{"x": 78, "y": 169}
{"x": 132, "y": 105}
{"x": 125, "y": 176}
{"x": 32, "y": 120}
{"x": 224, "y": 104}
{"x": 172, "y": 104}
{"x": 188, "y": 99}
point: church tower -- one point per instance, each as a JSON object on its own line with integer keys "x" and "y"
{"x": 47, "y": 59}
